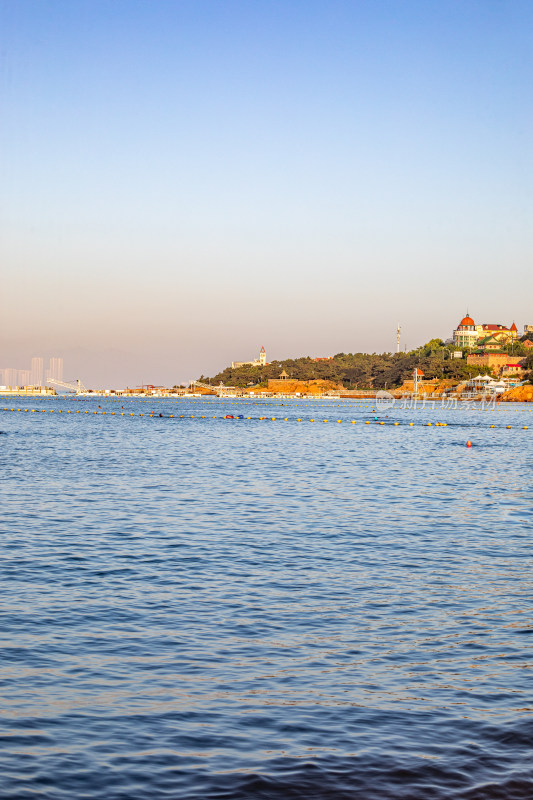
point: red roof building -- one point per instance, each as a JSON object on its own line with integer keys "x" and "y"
{"x": 468, "y": 333}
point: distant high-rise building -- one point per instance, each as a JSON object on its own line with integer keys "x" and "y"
{"x": 37, "y": 371}
{"x": 10, "y": 377}
{"x": 23, "y": 378}
{"x": 55, "y": 371}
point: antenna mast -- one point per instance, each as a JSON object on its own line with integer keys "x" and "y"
{"x": 398, "y": 331}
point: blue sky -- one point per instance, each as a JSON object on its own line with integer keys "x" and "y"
{"x": 183, "y": 182}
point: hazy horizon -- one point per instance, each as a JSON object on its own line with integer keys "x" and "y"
{"x": 185, "y": 182}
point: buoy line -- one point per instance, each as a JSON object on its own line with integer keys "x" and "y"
{"x": 430, "y": 404}
{"x": 242, "y": 418}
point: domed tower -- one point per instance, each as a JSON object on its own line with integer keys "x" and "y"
{"x": 467, "y": 323}
{"x": 466, "y": 334}
{"x": 262, "y": 357}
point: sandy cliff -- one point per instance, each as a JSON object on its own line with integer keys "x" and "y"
{"x": 301, "y": 387}
{"x": 520, "y": 394}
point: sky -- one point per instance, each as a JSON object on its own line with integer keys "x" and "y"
{"x": 182, "y": 182}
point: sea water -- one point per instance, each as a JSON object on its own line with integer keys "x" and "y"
{"x": 199, "y": 607}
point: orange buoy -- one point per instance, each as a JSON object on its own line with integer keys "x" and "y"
{"x": 469, "y": 443}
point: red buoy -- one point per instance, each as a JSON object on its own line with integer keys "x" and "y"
{"x": 469, "y": 443}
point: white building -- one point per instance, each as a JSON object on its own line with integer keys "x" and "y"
{"x": 466, "y": 333}
{"x": 258, "y": 362}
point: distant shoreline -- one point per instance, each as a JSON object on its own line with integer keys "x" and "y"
{"x": 526, "y": 397}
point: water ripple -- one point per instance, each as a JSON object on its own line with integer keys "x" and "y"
{"x": 207, "y": 609}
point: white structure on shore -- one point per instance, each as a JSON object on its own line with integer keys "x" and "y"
{"x": 258, "y": 362}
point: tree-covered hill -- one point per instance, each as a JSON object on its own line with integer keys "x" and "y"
{"x": 356, "y": 370}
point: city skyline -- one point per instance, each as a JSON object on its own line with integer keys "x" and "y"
{"x": 183, "y": 182}
{"x": 35, "y": 376}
